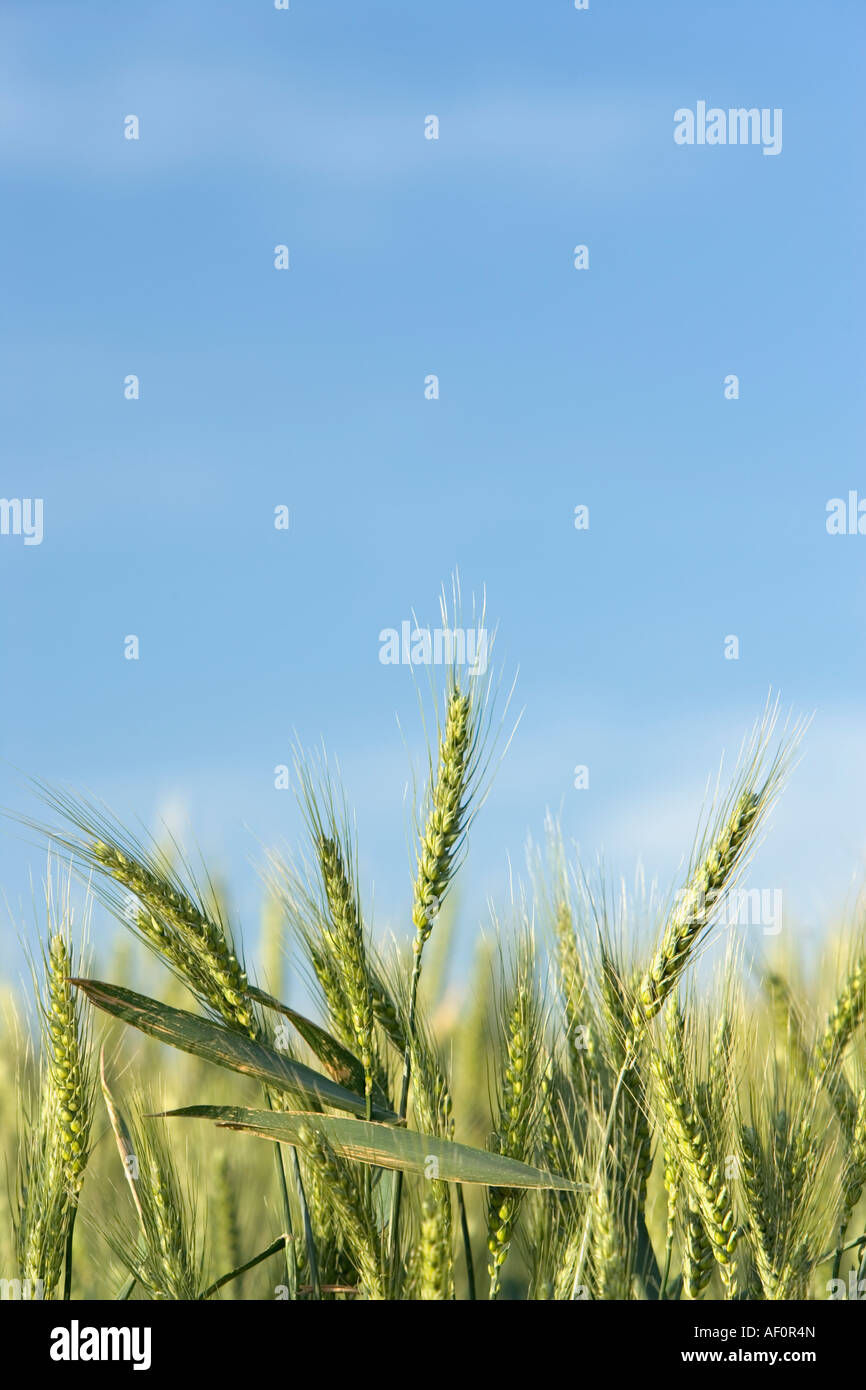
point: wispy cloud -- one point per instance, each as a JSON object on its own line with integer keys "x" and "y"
{"x": 220, "y": 118}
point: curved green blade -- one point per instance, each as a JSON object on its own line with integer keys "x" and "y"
{"x": 384, "y": 1147}
{"x": 337, "y": 1060}
{"x": 215, "y": 1043}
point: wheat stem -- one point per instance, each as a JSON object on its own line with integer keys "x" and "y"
{"x": 263, "y": 1255}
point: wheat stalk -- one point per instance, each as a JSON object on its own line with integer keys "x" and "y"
{"x": 226, "y": 1214}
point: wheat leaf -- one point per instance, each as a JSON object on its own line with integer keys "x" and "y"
{"x": 385, "y": 1147}
{"x": 337, "y": 1060}
{"x": 215, "y": 1043}
{"x": 125, "y": 1145}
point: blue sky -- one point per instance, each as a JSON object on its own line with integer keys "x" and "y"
{"x": 557, "y": 387}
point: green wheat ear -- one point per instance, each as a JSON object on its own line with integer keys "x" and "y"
{"x": 792, "y": 1184}
{"x": 349, "y": 951}
{"x": 55, "y": 1124}
{"x": 854, "y": 1178}
{"x": 456, "y": 781}
{"x": 446, "y": 816}
{"x": 718, "y": 858}
{"x": 349, "y": 1209}
{"x": 609, "y": 1262}
{"x": 554, "y": 897}
{"x": 520, "y": 1100}
{"x": 697, "y": 1256}
{"x": 195, "y": 944}
{"x": 452, "y": 790}
{"x": 164, "y": 1256}
{"x": 845, "y": 1017}
{"x": 324, "y": 907}
{"x": 71, "y": 1086}
{"x": 692, "y": 916}
{"x": 692, "y": 1139}
{"x": 182, "y": 926}
{"x": 434, "y": 1247}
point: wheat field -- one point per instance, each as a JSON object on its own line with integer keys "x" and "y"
{"x": 610, "y": 1101}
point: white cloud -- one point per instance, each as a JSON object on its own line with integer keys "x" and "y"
{"x": 222, "y": 117}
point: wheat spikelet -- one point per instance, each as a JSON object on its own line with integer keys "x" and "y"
{"x": 697, "y": 1256}
{"x": 168, "y": 1272}
{"x": 385, "y": 1013}
{"x": 196, "y": 944}
{"x": 697, "y": 1253}
{"x": 799, "y": 1165}
{"x": 547, "y": 1222}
